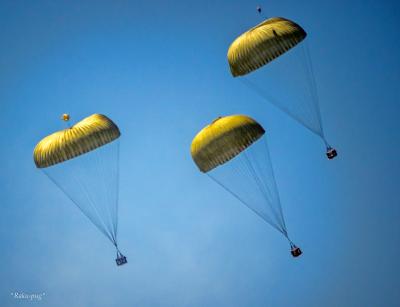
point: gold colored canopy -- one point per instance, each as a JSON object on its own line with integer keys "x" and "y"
{"x": 224, "y": 139}
{"x": 262, "y": 44}
{"x": 90, "y": 133}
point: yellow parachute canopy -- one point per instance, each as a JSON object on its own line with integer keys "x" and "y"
{"x": 90, "y": 133}
{"x": 224, "y": 139}
{"x": 262, "y": 44}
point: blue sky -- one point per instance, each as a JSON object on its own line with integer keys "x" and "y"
{"x": 159, "y": 70}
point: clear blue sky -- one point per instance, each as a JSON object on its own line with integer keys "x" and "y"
{"x": 159, "y": 70}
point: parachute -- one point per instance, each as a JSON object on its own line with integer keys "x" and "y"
{"x": 83, "y": 161}
{"x": 233, "y": 152}
{"x": 273, "y": 60}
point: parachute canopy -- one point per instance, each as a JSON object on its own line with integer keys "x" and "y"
{"x": 224, "y": 139}
{"x": 90, "y": 133}
{"x": 262, "y": 44}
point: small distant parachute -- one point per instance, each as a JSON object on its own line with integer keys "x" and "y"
{"x": 83, "y": 161}
{"x": 233, "y": 152}
{"x": 259, "y": 49}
